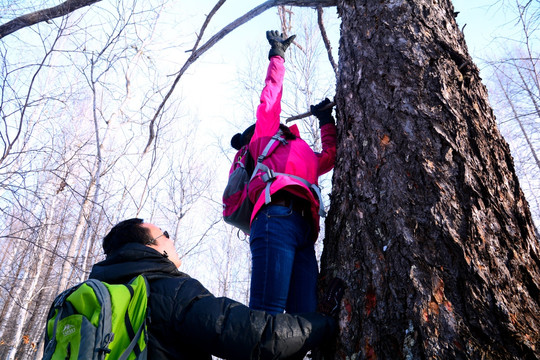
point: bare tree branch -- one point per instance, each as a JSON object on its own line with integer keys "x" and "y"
{"x": 517, "y": 118}
{"x": 196, "y": 53}
{"x": 206, "y": 22}
{"x": 325, "y": 39}
{"x": 152, "y": 133}
{"x": 43, "y": 15}
{"x": 10, "y": 143}
{"x": 308, "y": 113}
{"x": 285, "y": 15}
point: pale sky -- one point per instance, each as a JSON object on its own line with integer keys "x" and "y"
{"x": 481, "y": 21}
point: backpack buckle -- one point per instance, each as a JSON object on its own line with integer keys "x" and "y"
{"x": 107, "y": 340}
{"x": 268, "y": 175}
{"x": 279, "y": 137}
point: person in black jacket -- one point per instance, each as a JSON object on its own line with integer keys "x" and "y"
{"x": 186, "y": 320}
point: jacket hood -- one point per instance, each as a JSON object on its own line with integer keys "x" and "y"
{"x": 131, "y": 260}
{"x": 294, "y": 130}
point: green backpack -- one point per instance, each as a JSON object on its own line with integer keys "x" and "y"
{"x": 96, "y": 320}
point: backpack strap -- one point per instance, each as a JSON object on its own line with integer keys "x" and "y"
{"x": 260, "y": 166}
{"x": 104, "y": 297}
{"x": 133, "y": 345}
{"x": 133, "y": 342}
{"x": 269, "y": 175}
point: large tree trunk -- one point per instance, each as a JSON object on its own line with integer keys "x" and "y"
{"x": 428, "y": 225}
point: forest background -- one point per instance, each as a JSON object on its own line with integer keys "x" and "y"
{"x": 80, "y": 99}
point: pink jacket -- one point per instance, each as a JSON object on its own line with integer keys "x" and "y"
{"x": 295, "y": 158}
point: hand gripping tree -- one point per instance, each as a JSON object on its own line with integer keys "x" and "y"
{"x": 428, "y": 225}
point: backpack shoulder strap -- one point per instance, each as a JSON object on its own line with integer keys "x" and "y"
{"x": 277, "y": 137}
{"x": 139, "y": 332}
{"x": 313, "y": 187}
{"x": 269, "y": 175}
{"x": 104, "y": 298}
{"x": 267, "y": 151}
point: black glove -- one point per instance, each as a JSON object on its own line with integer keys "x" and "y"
{"x": 278, "y": 43}
{"x": 324, "y": 115}
{"x": 331, "y": 301}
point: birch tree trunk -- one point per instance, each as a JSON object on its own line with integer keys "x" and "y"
{"x": 11, "y": 301}
{"x": 428, "y": 225}
{"x": 43, "y": 302}
{"x": 87, "y": 207}
{"x": 33, "y": 279}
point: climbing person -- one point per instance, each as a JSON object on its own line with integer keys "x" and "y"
{"x": 186, "y": 321}
{"x": 285, "y": 196}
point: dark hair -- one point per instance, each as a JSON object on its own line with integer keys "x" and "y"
{"x": 287, "y": 132}
{"x": 239, "y": 140}
{"x": 127, "y": 231}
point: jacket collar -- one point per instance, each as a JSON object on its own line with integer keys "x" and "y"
{"x": 131, "y": 260}
{"x": 294, "y": 130}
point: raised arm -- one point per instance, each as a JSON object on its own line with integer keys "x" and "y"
{"x": 270, "y": 107}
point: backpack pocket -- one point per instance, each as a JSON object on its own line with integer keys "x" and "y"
{"x": 237, "y": 207}
{"x": 75, "y": 338}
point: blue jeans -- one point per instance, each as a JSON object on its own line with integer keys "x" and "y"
{"x": 284, "y": 266}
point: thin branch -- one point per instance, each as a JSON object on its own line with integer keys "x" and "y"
{"x": 220, "y": 35}
{"x": 152, "y": 133}
{"x": 206, "y": 22}
{"x": 43, "y": 15}
{"x": 285, "y": 16}
{"x": 308, "y": 113}
{"x": 203, "y": 236}
{"x": 518, "y": 120}
{"x": 11, "y": 143}
{"x": 325, "y": 39}
{"x": 286, "y": 24}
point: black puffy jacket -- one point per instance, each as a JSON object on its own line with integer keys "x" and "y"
{"x": 188, "y": 322}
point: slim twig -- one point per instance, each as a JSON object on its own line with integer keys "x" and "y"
{"x": 306, "y": 114}
{"x": 325, "y": 39}
{"x": 285, "y": 16}
{"x": 206, "y": 22}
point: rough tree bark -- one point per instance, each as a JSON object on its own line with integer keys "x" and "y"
{"x": 428, "y": 225}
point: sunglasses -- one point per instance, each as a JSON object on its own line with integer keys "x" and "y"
{"x": 165, "y": 233}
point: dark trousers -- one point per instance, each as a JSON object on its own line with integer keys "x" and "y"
{"x": 284, "y": 265}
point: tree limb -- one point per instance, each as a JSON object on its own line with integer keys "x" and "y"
{"x": 206, "y": 22}
{"x": 308, "y": 113}
{"x": 43, "y": 15}
{"x": 325, "y": 39}
{"x": 286, "y": 25}
{"x": 152, "y": 133}
{"x": 220, "y": 35}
